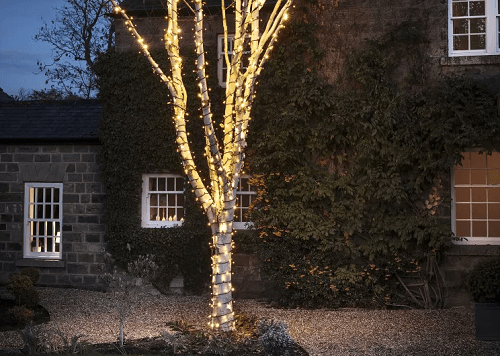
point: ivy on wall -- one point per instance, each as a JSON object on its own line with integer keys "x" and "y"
{"x": 353, "y": 178}
{"x": 138, "y": 137}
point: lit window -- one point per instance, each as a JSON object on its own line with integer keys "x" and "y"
{"x": 221, "y": 63}
{"x": 42, "y": 220}
{"x": 476, "y": 198}
{"x": 473, "y": 27}
{"x": 244, "y": 197}
{"x": 162, "y": 200}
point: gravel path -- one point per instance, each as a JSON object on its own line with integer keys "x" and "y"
{"x": 320, "y": 332}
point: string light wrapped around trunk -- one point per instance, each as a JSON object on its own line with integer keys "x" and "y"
{"x": 225, "y": 160}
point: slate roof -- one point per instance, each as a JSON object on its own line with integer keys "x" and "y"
{"x": 4, "y": 97}
{"x": 158, "y": 8}
{"x": 62, "y": 120}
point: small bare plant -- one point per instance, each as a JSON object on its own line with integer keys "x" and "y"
{"x": 123, "y": 287}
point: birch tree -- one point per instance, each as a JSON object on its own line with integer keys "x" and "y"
{"x": 225, "y": 154}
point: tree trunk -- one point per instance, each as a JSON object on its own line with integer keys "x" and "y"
{"x": 222, "y": 306}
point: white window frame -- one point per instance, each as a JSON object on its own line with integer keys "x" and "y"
{"x": 51, "y": 232}
{"x": 492, "y": 30}
{"x": 469, "y": 239}
{"x": 221, "y": 61}
{"x": 163, "y": 221}
{"x": 242, "y": 224}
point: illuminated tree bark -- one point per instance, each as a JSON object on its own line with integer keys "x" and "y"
{"x": 225, "y": 160}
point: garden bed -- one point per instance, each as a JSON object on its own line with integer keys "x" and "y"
{"x": 319, "y": 332}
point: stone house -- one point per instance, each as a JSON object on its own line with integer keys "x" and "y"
{"x": 463, "y": 37}
{"x": 51, "y": 197}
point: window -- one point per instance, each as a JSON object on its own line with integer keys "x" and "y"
{"x": 221, "y": 64}
{"x": 244, "y": 196}
{"x": 42, "y": 220}
{"x": 476, "y": 198}
{"x": 473, "y": 27}
{"x": 162, "y": 200}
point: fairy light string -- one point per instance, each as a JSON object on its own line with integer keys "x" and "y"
{"x": 225, "y": 163}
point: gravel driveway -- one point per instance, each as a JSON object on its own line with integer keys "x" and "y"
{"x": 320, "y": 332}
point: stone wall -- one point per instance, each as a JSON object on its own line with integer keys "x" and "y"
{"x": 83, "y": 224}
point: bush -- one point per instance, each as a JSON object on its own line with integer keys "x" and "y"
{"x": 483, "y": 282}
{"x": 32, "y": 273}
{"x": 21, "y": 287}
{"x": 275, "y": 339}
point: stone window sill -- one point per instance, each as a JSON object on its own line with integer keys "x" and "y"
{"x": 469, "y": 60}
{"x": 37, "y": 262}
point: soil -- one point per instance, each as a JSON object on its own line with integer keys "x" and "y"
{"x": 9, "y": 323}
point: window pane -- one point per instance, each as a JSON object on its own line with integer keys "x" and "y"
{"x": 170, "y": 184}
{"x": 41, "y": 229}
{"x": 39, "y": 195}
{"x": 171, "y": 200}
{"x": 479, "y": 195}
{"x": 180, "y": 214}
{"x": 477, "y": 160}
{"x": 163, "y": 200}
{"x": 245, "y": 200}
{"x": 32, "y": 211}
{"x": 50, "y": 230}
{"x": 494, "y": 229}
{"x": 39, "y": 211}
{"x": 33, "y": 245}
{"x": 56, "y": 195}
{"x": 460, "y": 26}
{"x": 56, "y": 212}
{"x": 49, "y": 244}
{"x": 171, "y": 214}
{"x": 180, "y": 199}
{"x": 462, "y": 194}
{"x": 479, "y": 228}
{"x": 462, "y": 211}
{"x": 179, "y": 185}
{"x": 494, "y": 194}
{"x": 494, "y": 211}
{"x": 161, "y": 184}
{"x": 461, "y": 43}
{"x": 479, "y": 211}
{"x": 153, "y": 200}
{"x": 152, "y": 185}
{"x": 153, "y": 214}
{"x": 476, "y": 8}
{"x": 478, "y": 176}
{"x": 478, "y": 42}
{"x": 463, "y": 228}
{"x": 478, "y": 25}
{"x": 48, "y": 195}
{"x": 459, "y": 9}
{"x": 48, "y": 211}
{"x": 462, "y": 176}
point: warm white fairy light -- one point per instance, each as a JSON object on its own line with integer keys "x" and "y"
{"x": 225, "y": 160}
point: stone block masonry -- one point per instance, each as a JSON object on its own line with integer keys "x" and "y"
{"x": 83, "y": 225}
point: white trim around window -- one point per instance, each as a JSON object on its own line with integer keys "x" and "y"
{"x": 475, "y": 193}
{"x": 221, "y": 62}
{"x": 245, "y": 193}
{"x": 162, "y": 200}
{"x": 43, "y": 213}
{"x": 473, "y": 27}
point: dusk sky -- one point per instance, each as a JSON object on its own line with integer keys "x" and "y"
{"x": 20, "y": 21}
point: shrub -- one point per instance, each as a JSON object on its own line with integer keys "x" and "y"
{"x": 32, "y": 273}
{"x": 21, "y": 287}
{"x": 483, "y": 282}
{"x": 274, "y": 338}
